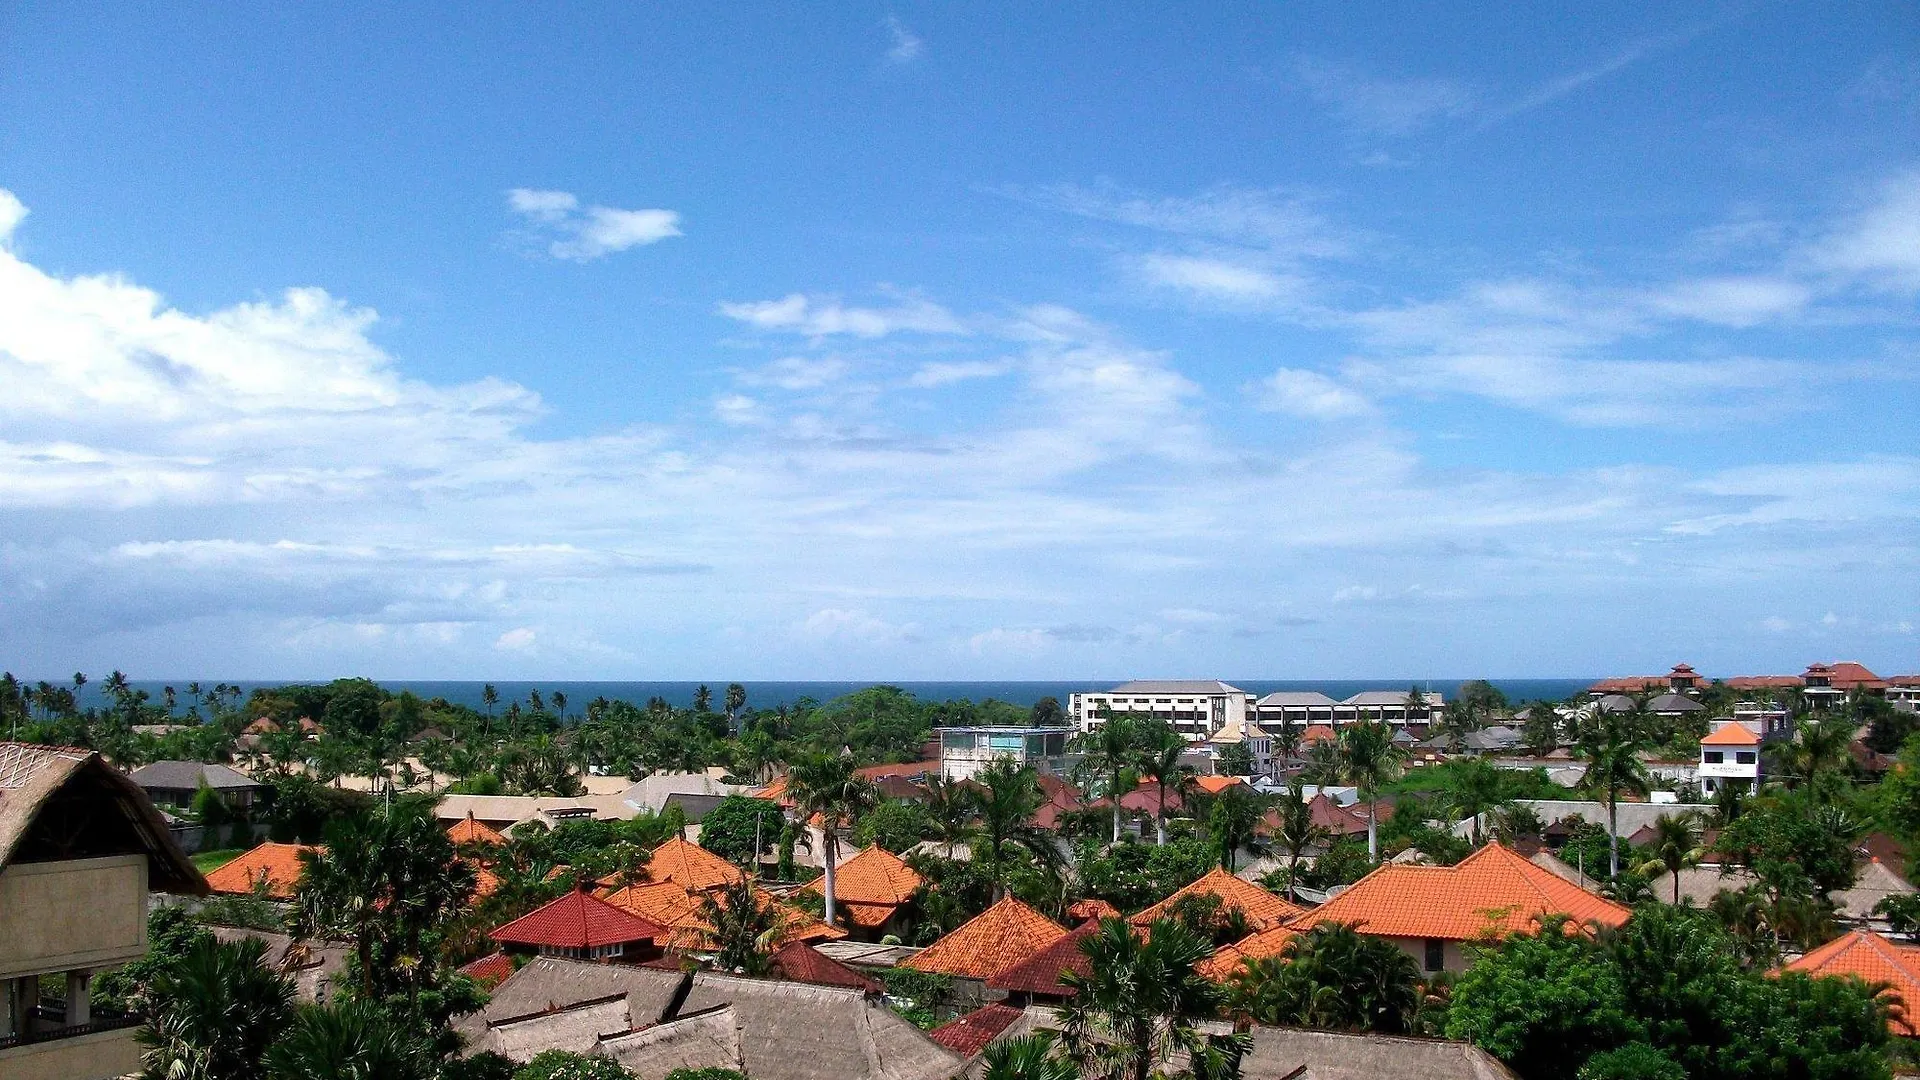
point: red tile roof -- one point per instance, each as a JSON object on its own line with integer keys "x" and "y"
{"x": 1765, "y": 682}
{"x": 490, "y": 970}
{"x": 578, "y": 920}
{"x": 1261, "y": 908}
{"x": 470, "y": 831}
{"x": 1492, "y": 892}
{"x": 1731, "y": 735}
{"x": 992, "y": 941}
{"x": 1082, "y": 910}
{"x": 1040, "y": 973}
{"x": 1214, "y": 785}
{"x": 1628, "y": 684}
{"x": 1317, "y": 733}
{"x": 870, "y": 887}
{"x": 686, "y": 863}
{"x": 278, "y": 863}
{"x": 682, "y": 911}
{"x": 970, "y": 1034}
{"x": 1871, "y": 957}
{"x": 1256, "y": 946}
{"x": 1850, "y": 674}
{"x": 801, "y": 962}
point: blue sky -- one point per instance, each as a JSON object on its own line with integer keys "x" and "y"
{"x": 957, "y": 341}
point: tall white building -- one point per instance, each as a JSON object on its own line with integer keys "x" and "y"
{"x": 1197, "y": 708}
{"x": 1304, "y": 708}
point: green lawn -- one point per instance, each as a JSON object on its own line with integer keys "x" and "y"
{"x": 207, "y": 861}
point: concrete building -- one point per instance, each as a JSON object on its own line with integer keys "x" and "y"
{"x": 80, "y": 846}
{"x": 1304, "y": 708}
{"x": 1730, "y": 757}
{"x": 1197, "y": 708}
{"x": 175, "y": 783}
{"x": 965, "y": 751}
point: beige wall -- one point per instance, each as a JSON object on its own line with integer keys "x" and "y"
{"x": 58, "y": 916}
{"x": 98, "y": 1056}
{"x": 1456, "y": 957}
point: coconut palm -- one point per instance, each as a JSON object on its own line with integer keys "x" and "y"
{"x": 1160, "y": 761}
{"x": 1610, "y": 743}
{"x": 1008, "y": 797}
{"x": 1367, "y": 757}
{"x": 1473, "y": 790}
{"x": 826, "y": 784}
{"x": 1231, "y": 821}
{"x": 951, "y": 808}
{"x": 1026, "y": 1057}
{"x": 1295, "y": 828}
{"x": 354, "y": 1040}
{"x": 215, "y": 1012}
{"x": 1331, "y": 977}
{"x": 1675, "y": 846}
{"x": 1819, "y": 748}
{"x": 1138, "y": 1006}
{"x": 1108, "y": 752}
{"x": 744, "y": 928}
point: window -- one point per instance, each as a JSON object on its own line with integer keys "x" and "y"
{"x": 1715, "y": 757}
{"x": 1744, "y": 757}
{"x": 1436, "y": 954}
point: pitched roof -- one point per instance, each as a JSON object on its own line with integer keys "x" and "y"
{"x": 1259, "y": 945}
{"x": 970, "y": 1034}
{"x": 686, "y": 863}
{"x": 682, "y": 911}
{"x": 1493, "y": 891}
{"x": 1298, "y": 1054}
{"x": 1261, "y": 908}
{"x": 1317, "y": 733}
{"x": 1040, "y": 973}
{"x": 1847, "y": 674}
{"x": 801, "y": 962}
{"x": 578, "y": 920}
{"x": 798, "y": 1031}
{"x": 278, "y": 863}
{"x": 1667, "y": 703}
{"x": 1214, "y": 785}
{"x": 1731, "y": 735}
{"x": 876, "y": 876}
{"x": 490, "y": 970}
{"x": 471, "y": 830}
{"x": 34, "y": 777}
{"x": 1091, "y": 908}
{"x": 1298, "y": 699}
{"x": 187, "y": 775}
{"x": 997, "y": 938}
{"x": 1869, "y": 956}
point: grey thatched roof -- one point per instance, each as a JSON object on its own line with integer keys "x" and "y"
{"x": 703, "y": 1040}
{"x": 1293, "y": 1054}
{"x": 313, "y": 965}
{"x": 188, "y": 775}
{"x": 550, "y": 985}
{"x": 797, "y": 1031}
{"x": 32, "y": 777}
{"x": 577, "y": 1029}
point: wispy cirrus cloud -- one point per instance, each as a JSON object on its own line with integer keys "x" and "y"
{"x": 818, "y": 316}
{"x": 904, "y": 46}
{"x": 583, "y": 233}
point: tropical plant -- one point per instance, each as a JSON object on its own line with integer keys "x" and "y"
{"x": 1610, "y": 743}
{"x": 1159, "y": 760}
{"x": 1331, "y": 977}
{"x": 1232, "y": 820}
{"x": 1026, "y": 1057}
{"x": 214, "y": 1012}
{"x": 1367, "y": 757}
{"x": 827, "y": 785}
{"x": 1675, "y": 847}
{"x": 950, "y": 809}
{"x": 350, "y": 1040}
{"x": 1008, "y": 797}
{"x": 1108, "y": 753}
{"x": 1139, "y": 1005}
{"x": 1543, "y": 1003}
{"x": 745, "y": 928}
{"x": 1295, "y": 829}
{"x": 1474, "y": 789}
{"x": 741, "y": 830}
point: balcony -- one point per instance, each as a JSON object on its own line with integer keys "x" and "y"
{"x": 50, "y": 1049}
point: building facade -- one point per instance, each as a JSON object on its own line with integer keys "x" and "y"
{"x": 965, "y": 751}
{"x": 1197, "y": 708}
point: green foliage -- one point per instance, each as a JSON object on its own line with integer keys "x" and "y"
{"x": 486, "y": 1065}
{"x": 171, "y": 935}
{"x": 743, "y": 928}
{"x": 1132, "y": 876}
{"x": 709, "y": 1073}
{"x": 485, "y": 783}
{"x": 300, "y": 807}
{"x": 731, "y": 828}
{"x": 1798, "y": 848}
{"x": 956, "y": 890}
{"x": 918, "y": 995}
{"x": 895, "y": 824}
{"x": 1543, "y": 1003}
{"x": 1899, "y": 791}
{"x": 1334, "y": 978}
{"x": 1344, "y": 863}
{"x": 350, "y": 1040}
{"x": 1236, "y": 760}
{"x": 214, "y": 1011}
{"x": 1634, "y": 1061}
{"x": 1138, "y": 1005}
{"x": 209, "y": 808}
{"x": 1902, "y": 912}
{"x": 1208, "y": 917}
{"x": 564, "y": 1065}
{"x": 1026, "y": 1057}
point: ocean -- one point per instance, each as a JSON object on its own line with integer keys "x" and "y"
{"x": 767, "y": 695}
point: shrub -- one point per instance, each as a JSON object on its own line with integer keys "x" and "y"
{"x": 565, "y": 1065}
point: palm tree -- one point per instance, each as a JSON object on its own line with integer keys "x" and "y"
{"x": 826, "y": 784}
{"x": 1296, "y": 829}
{"x": 744, "y": 928}
{"x": 1136, "y": 1009}
{"x": 1286, "y": 739}
{"x": 1160, "y": 761}
{"x": 1416, "y": 702}
{"x": 1331, "y": 977}
{"x": 1610, "y": 744}
{"x": 215, "y": 1012}
{"x": 1819, "y": 748}
{"x": 1007, "y": 800}
{"x": 1675, "y": 846}
{"x": 489, "y": 697}
{"x": 1108, "y": 753}
{"x": 736, "y": 700}
{"x": 353, "y": 1040}
{"x": 1026, "y": 1057}
{"x": 1367, "y": 758}
{"x": 1473, "y": 790}
{"x": 951, "y": 808}
{"x": 1231, "y": 820}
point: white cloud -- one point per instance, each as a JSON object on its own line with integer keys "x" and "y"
{"x": 737, "y": 409}
{"x": 518, "y": 639}
{"x": 1311, "y": 395}
{"x": 933, "y": 375}
{"x": 797, "y": 373}
{"x": 584, "y": 234}
{"x": 1384, "y": 106}
{"x": 1775, "y": 624}
{"x": 12, "y": 213}
{"x": 1274, "y": 221}
{"x": 1881, "y": 244}
{"x": 1218, "y": 279}
{"x": 835, "y": 624}
{"x": 905, "y": 46}
{"x": 822, "y": 317}
{"x": 1734, "y": 301}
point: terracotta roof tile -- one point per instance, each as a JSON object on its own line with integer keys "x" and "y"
{"x": 1317, "y": 733}
{"x": 1081, "y": 910}
{"x": 1040, "y": 973}
{"x": 997, "y": 938}
{"x": 1493, "y": 891}
{"x": 1214, "y": 785}
{"x": 970, "y": 1034}
{"x": 800, "y": 962}
{"x": 490, "y": 970}
{"x": 686, "y": 863}
{"x": 278, "y": 863}
{"x": 1257, "y": 946}
{"x": 681, "y": 911}
{"x": 1261, "y": 908}
{"x": 468, "y": 830}
{"x": 874, "y": 878}
{"x": 1731, "y": 735}
{"x": 578, "y": 920}
{"x": 1871, "y": 957}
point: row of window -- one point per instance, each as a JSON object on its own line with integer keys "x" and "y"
{"x": 1740, "y": 757}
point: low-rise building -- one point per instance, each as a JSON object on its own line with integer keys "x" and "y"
{"x": 1307, "y": 708}
{"x": 1730, "y": 757}
{"x": 965, "y": 751}
{"x": 80, "y": 847}
{"x": 175, "y": 783}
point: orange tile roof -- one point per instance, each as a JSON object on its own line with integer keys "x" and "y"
{"x": 775, "y": 792}
{"x": 1262, "y": 908}
{"x": 578, "y": 920}
{"x": 485, "y": 883}
{"x": 1091, "y": 908}
{"x": 682, "y": 911}
{"x": 1731, "y": 735}
{"x": 970, "y": 1034}
{"x": 1491, "y": 892}
{"x": 1317, "y": 733}
{"x": 1871, "y": 957}
{"x": 686, "y": 863}
{"x": 469, "y": 831}
{"x": 1214, "y": 785}
{"x": 871, "y": 885}
{"x": 992, "y": 941}
{"x": 278, "y": 863}
{"x": 1256, "y": 946}
{"x": 798, "y": 961}
{"x": 1041, "y": 972}
{"x": 490, "y": 970}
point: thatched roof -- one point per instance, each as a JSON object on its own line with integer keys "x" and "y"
{"x": 101, "y": 812}
{"x": 314, "y": 966}
{"x": 704, "y": 1040}
{"x": 1293, "y": 1054}
{"x": 576, "y": 1029}
{"x": 549, "y": 985}
{"x": 796, "y": 1031}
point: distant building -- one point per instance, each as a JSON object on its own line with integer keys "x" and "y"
{"x": 1306, "y": 708}
{"x": 1197, "y": 708}
{"x": 965, "y": 751}
{"x": 1681, "y": 680}
{"x": 175, "y": 783}
{"x": 1730, "y": 757}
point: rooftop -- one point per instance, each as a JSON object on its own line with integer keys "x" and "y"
{"x": 1260, "y": 945}
{"x": 279, "y": 864}
{"x": 578, "y": 920}
{"x": 801, "y": 962}
{"x": 1261, "y": 908}
{"x": 1176, "y": 686}
{"x": 1041, "y": 972}
{"x": 1492, "y": 892}
{"x": 1731, "y": 735}
{"x": 970, "y": 1034}
{"x": 1005, "y": 934}
{"x": 1869, "y": 956}
{"x": 188, "y": 775}
{"x": 684, "y": 862}
{"x": 870, "y": 885}
{"x": 471, "y": 830}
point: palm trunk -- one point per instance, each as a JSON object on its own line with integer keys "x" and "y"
{"x": 1373, "y": 834}
{"x": 1160, "y": 823}
{"x": 829, "y": 847}
{"x": 1676, "y": 886}
{"x": 1116, "y": 807}
{"x": 1613, "y": 833}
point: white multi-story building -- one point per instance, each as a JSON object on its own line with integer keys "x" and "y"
{"x": 1197, "y": 708}
{"x": 1730, "y": 757}
{"x": 965, "y": 751}
{"x": 1304, "y": 708}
